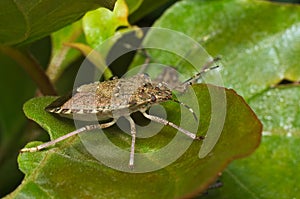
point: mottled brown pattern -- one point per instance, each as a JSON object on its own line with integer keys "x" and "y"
{"x": 112, "y": 99}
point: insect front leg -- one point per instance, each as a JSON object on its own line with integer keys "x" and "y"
{"x": 80, "y": 130}
{"x": 168, "y": 123}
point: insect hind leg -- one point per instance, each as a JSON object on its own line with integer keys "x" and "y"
{"x": 80, "y": 130}
{"x": 133, "y": 136}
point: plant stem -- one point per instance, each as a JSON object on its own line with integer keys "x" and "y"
{"x": 94, "y": 57}
{"x": 33, "y": 69}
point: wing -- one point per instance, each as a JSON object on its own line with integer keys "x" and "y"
{"x": 88, "y": 103}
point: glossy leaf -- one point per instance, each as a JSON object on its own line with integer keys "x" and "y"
{"x": 69, "y": 161}
{"x": 101, "y": 24}
{"x": 259, "y": 45}
{"x": 258, "y": 49}
{"x": 278, "y": 157}
{"x": 274, "y": 165}
{"x": 32, "y": 20}
{"x": 279, "y": 110}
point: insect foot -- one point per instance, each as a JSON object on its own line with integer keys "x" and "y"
{"x": 33, "y": 149}
{"x": 200, "y": 137}
{"x": 110, "y": 100}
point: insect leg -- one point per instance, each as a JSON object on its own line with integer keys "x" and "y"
{"x": 168, "y": 123}
{"x": 133, "y": 135}
{"x": 186, "y": 106}
{"x": 80, "y": 130}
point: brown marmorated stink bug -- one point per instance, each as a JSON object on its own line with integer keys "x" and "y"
{"x": 113, "y": 99}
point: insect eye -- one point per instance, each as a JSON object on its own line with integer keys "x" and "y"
{"x": 153, "y": 98}
{"x": 146, "y": 75}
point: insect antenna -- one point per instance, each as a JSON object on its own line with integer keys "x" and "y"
{"x": 198, "y": 75}
{"x": 186, "y": 106}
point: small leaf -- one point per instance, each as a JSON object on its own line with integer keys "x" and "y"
{"x": 68, "y": 162}
{"x": 36, "y": 19}
{"x": 101, "y": 24}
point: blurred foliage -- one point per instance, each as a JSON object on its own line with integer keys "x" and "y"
{"x": 259, "y": 44}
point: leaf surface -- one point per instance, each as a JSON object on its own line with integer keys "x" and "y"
{"x": 68, "y": 170}
{"x": 31, "y": 20}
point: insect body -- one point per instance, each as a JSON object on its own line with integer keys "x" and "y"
{"x": 110, "y": 100}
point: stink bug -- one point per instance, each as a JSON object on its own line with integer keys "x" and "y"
{"x": 113, "y": 99}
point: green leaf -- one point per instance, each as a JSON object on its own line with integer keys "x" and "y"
{"x": 62, "y": 55}
{"x": 279, "y": 110}
{"x": 16, "y": 89}
{"x": 79, "y": 174}
{"x": 259, "y": 45}
{"x": 274, "y": 165}
{"x": 146, "y": 7}
{"x": 133, "y": 5}
{"x": 258, "y": 40}
{"x": 271, "y": 172}
{"x": 31, "y": 20}
{"x": 101, "y": 24}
